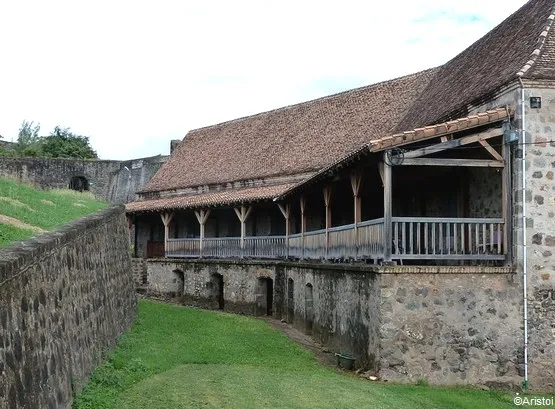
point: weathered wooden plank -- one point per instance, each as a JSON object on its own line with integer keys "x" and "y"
{"x": 452, "y": 162}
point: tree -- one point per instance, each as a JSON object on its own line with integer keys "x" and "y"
{"x": 62, "y": 143}
{"x": 28, "y": 140}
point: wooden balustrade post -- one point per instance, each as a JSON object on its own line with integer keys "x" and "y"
{"x": 202, "y": 216}
{"x": 166, "y": 219}
{"x": 243, "y": 214}
{"x": 303, "y": 225}
{"x": 507, "y": 211}
{"x": 356, "y": 179}
{"x": 327, "y": 202}
{"x": 387, "y": 207}
{"x": 286, "y": 212}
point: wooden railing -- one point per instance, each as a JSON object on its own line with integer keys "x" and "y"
{"x": 183, "y": 248}
{"x": 295, "y": 249}
{"x": 154, "y": 249}
{"x": 412, "y": 238}
{"x": 370, "y": 239}
{"x": 265, "y": 247}
{"x": 221, "y": 247}
{"x": 448, "y": 238}
{"x": 342, "y": 242}
{"x": 314, "y": 244}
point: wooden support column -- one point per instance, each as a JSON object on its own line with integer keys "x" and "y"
{"x": 286, "y": 212}
{"x": 243, "y": 214}
{"x": 356, "y": 179}
{"x": 166, "y": 219}
{"x": 202, "y": 216}
{"x": 387, "y": 208}
{"x": 130, "y": 220}
{"x": 327, "y": 203}
{"x": 507, "y": 202}
{"x": 303, "y": 222}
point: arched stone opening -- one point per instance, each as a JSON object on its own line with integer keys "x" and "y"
{"x": 79, "y": 183}
{"x": 215, "y": 288}
{"x": 265, "y": 296}
{"x": 179, "y": 280}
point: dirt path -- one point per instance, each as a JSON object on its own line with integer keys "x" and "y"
{"x": 323, "y": 355}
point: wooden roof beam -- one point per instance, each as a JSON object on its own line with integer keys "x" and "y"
{"x": 481, "y": 136}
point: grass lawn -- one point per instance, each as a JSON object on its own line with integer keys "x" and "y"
{"x": 37, "y": 209}
{"x": 176, "y": 357}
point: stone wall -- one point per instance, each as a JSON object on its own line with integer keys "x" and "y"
{"x": 455, "y": 325}
{"x": 539, "y": 227}
{"x": 451, "y": 329}
{"x": 540, "y": 234}
{"x": 65, "y": 297}
{"x": 338, "y": 306}
{"x": 113, "y": 181}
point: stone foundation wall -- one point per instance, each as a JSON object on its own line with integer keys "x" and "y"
{"x": 452, "y": 329}
{"x": 65, "y": 297}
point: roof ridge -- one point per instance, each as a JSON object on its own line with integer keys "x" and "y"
{"x": 322, "y": 98}
{"x": 540, "y": 44}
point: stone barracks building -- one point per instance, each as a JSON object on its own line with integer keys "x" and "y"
{"x": 408, "y": 223}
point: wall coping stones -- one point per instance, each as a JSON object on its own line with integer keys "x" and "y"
{"x": 363, "y": 268}
{"x": 15, "y": 258}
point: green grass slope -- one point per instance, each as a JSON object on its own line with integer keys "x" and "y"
{"x": 26, "y": 211}
{"x": 177, "y": 357}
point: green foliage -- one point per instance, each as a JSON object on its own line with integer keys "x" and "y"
{"x": 177, "y": 357}
{"x": 28, "y": 140}
{"x": 60, "y": 143}
{"x": 45, "y": 209}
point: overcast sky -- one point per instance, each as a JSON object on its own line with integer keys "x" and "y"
{"x": 132, "y": 75}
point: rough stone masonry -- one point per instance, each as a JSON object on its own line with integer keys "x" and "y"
{"x": 65, "y": 297}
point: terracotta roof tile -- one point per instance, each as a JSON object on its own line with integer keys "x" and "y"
{"x": 527, "y": 37}
{"x": 217, "y": 198}
{"x": 289, "y": 140}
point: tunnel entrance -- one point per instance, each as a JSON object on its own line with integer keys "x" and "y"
{"x": 79, "y": 183}
{"x": 264, "y": 296}
{"x": 217, "y": 289}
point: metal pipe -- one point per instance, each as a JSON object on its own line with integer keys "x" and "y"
{"x": 524, "y": 249}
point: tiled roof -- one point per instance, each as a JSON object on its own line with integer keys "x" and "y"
{"x": 403, "y": 138}
{"x": 289, "y": 140}
{"x": 216, "y": 198}
{"x": 522, "y": 44}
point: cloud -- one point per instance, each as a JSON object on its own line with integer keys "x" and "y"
{"x": 133, "y": 75}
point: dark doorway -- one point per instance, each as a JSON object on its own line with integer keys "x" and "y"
{"x": 79, "y": 183}
{"x": 179, "y": 280}
{"x": 290, "y": 300}
{"x": 264, "y": 296}
{"x": 309, "y": 308}
{"x": 217, "y": 291}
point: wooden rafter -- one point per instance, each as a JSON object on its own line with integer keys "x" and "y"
{"x": 491, "y": 151}
{"x": 454, "y": 143}
{"x": 453, "y": 162}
